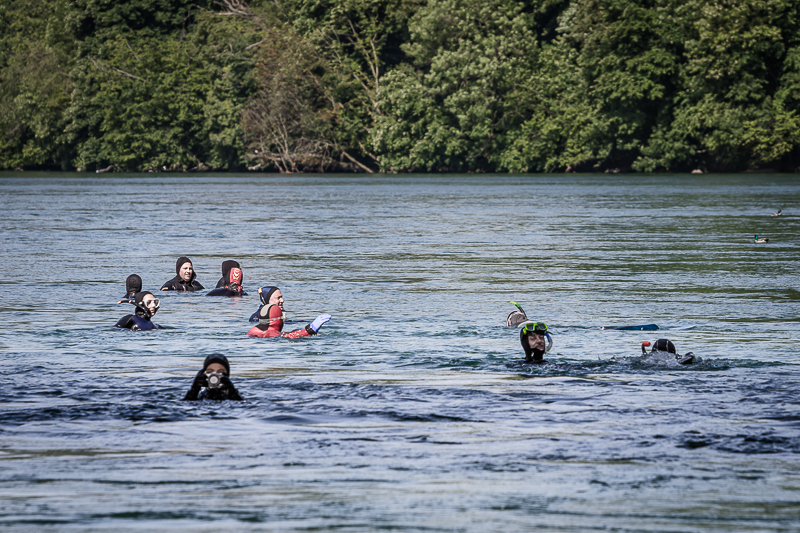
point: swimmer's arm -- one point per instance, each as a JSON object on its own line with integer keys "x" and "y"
{"x": 296, "y": 334}
{"x": 191, "y": 395}
{"x": 310, "y": 329}
{"x": 233, "y": 394}
{"x": 199, "y": 382}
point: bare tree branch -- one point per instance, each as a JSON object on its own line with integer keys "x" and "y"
{"x": 127, "y": 74}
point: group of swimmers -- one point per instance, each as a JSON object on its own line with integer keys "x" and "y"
{"x": 536, "y": 341}
{"x": 213, "y": 382}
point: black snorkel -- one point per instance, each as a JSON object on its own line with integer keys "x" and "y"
{"x": 141, "y": 309}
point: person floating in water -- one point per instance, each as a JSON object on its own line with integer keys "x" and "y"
{"x": 532, "y": 336}
{"x": 185, "y": 279}
{"x": 271, "y": 317}
{"x": 666, "y": 346}
{"x": 146, "y": 307}
{"x": 214, "y": 376}
{"x": 268, "y": 295}
{"x": 231, "y": 282}
{"x": 132, "y": 285}
{"x": 517, "y": 317}
{"x": 226, "y": 267}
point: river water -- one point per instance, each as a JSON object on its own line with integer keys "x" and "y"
{"x": 410, "y": 411}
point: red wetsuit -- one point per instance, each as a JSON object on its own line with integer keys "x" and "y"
{"x": 275, "y": 320}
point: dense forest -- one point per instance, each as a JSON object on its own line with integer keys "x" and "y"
{"x": 400, "y": 85}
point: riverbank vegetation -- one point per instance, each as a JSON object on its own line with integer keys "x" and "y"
{"x": 400, "y": 85}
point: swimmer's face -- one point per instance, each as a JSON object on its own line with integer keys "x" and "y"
{"x": 217, "y": 368}
{"x": 149, "y": 302}
{"x": 186, "y": 272}
{"x": 536, "y": 342}
{"x": 277, "y": 299}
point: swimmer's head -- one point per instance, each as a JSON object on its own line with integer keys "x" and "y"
{"x": 532, "y": 337}
{"x": 132, "y": 285}
{"x": 515, "y": 318}
{"x": 232, "y": 275}
{"x": 184, "y": 268}
{"x": 272, "y": 316}
{"x": 146, "y": 304}
{"x": 663, "y": 345}
{"x": 265, "y": 293}
{"x": 227, "y": 266}
{"x": 217, "y": 362}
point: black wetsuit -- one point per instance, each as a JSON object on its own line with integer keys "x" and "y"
{"x": 532, "y": 356}
{"x": 225, "y": 291}
{"x": 227, "y": 286}
{"x": 132, "y": 285}
{"x": 666, "y": 346}
{"x": 226, "y": 268}
{"x": 219, "y": 395}
{"x": 226, "y": 391}
{"x": 179, "y": 284}
{"x": 140, "y": 321}
{"x": 136, "y": 323}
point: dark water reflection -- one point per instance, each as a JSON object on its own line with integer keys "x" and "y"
{"x": 411, "y": 411}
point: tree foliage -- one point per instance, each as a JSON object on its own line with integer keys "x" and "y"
{"x": 36, "y": 58}
{"x": 290, "y": 122}
{"x": 465, "y": 87}
{"x": 400, "y": 85}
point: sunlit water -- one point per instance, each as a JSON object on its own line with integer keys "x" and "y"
{"x": 410, "y": 411}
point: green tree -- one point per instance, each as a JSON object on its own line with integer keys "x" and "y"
{"x": 161, "y": 86}
{"x": 734, "y": 108}
{"x": 358, "y": 41}
{"x": 290, "y": 121}
{"x": 35, "y": 85}
{"x": 466, "y": 87}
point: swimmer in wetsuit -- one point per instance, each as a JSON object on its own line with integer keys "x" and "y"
{"x": 517, "y": 317}
{"x": 214, "y": 376}
{"x": 666, "y": 346}
{"x": 132, "y": 285}
{"x": 185, "y": 279}
{"x": 268, "y": 295}
{"x": 271, "y": 317}
{"x": 532, "y": 336}
{"x": 232, "y": 276}
{"x": 226, "y": 267}
{"x": 146, "y": 306}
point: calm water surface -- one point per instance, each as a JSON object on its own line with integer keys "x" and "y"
{"x": 410, "y": 411}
